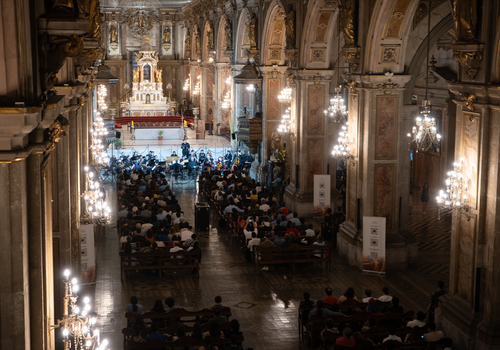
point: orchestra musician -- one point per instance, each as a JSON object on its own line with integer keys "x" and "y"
{"x": 202, "y": 157}
{"x": 173, "y": 154}
{"x": 185, "y": 149}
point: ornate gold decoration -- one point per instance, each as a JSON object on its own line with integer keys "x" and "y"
{"x": 228, "y": 31}
{"x": 352, "y": 56}
{"x": 167, "y": 35}
{"x": 159, "y": 76}
{"x": 470, "y": 101}
{"x": 82, "y": 100}
{"x": 135, "y": 74}
{"x": 352, "y": 86}
{"x": 188, "y": 44}
{"x": 347, "y": 21}
{"x": 252, "y": 31}
{"x": 56, "y": 131}
{"x": 290, "y": 28}
{"x": 210, "y": 36}
{"x": 94, "y": 28}
{"x": 140, "y": 21}
{"x": 465, "y": 18}
{"x": 388, "y": 87}
{"x": 469, "y": 60}
{"x": 113, "y": 34}
{"x": 197, "y": 41}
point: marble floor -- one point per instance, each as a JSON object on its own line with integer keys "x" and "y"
{"x": 266, "y": 304}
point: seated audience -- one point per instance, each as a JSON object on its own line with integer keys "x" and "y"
{"x": 433, "y": 335}
{"x": 347, "y": 339}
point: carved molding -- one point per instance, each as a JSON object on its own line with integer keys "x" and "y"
{"x": 388, "y": 87}
{"x": 470, "y": 102}
{"x": 56, "y": 131}
{"x": 469, "y": 57}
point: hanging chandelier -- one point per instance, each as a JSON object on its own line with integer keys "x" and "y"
{"x": 197, "y": 86}
{"x": 454, "y": 197}
{"x": 337, "y": 110}
{"x": 286, "y": 94}
{"x": 78, "y": 327}
{"x": 102, "y": 92}
{"x": 251, "y": 88}
{"x": 344, "y": 149}
{"x": 425, "y": 134}
{"x": 285, "y": 126}
{"x": 226, "y": 103}
{"x": 186, "y": 84}
{"x": 96, "y": 210}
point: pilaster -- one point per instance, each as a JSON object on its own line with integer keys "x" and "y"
{"x": 74, "y": 187}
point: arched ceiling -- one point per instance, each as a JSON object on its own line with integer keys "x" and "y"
{"x": 144, "y": 3}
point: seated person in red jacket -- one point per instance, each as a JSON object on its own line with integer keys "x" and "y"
{"x": 347, "y": 339}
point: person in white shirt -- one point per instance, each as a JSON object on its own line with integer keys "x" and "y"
{"x": 134, "y": 176}
{"x": 177, "y": 219}
{"x": 185, "y": 235}
{"x": 386, "y": 296}
{"x": 418, "y": 322}
{"x": 433, "y": 335}
{"x": 249, "y": 228}
{"x": 264, "y": 206}
{"x": 368, "y": 294}
{"x": 310, "y": 232}
{"x": 253, "y": 241}
{"x": 392, "y": 335}
{"x": 145, "y": 227}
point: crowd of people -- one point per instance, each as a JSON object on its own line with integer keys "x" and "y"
{"x": 219, "y": 325}
{"x": 423, "y": 327}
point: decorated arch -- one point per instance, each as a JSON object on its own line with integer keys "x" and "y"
{"x": 273, "y": 38}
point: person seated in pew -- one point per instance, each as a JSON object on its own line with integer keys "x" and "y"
{"x": 307, "y": 300}
{"x": 392, "y": 335}
{"x": 158, "y": 308}
{"x": 335, "y": 309}
{"x": 419, "y": 321}
{"x": 368, "y": 294}
{"x": 155, "y": 335}
{"x": 414, "y": 336}
{"x": 385, "y": 296}
{"x": 329, "y": 298}
{"x": 138, "y": 338}
{"x": 373, "y": 307}
{"x": 369, "y": 324}
{"x": 320, "y": 310}
{"x": 214, "y": 330}
{"x": 234, "y": 331}
{"x": 347, "y": 339}
{"x": 180, "y": 332}
{"x": 348, "y": 295}
{"x": 208, "y": 344}
{"x": 197, "y": 332}
{"x": 234, "y": 344}
{"x": 433, "y": 335}
{"x": 221, "y": 320}
{"x": 367, "y": 343}
{"x": 395, "y": 307}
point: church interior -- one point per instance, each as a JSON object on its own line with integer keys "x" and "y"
{"x": 254, "y": 168}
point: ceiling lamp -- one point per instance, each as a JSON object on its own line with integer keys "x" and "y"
{"x": 425, "y": 135}
{"x": 286, "y": 94}
{"x": 79, "y": 331}
{"x": 102, "y": 92}
{"x": 454, "y": 197}
{"x": 337, "y": 109}
{"x": 344, "y": 149}
{"x": 285, "y": 126}
{"x": 96, "y": 210}
{"x": 197, "y": 86}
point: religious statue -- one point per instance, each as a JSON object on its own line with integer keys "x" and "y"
{"x": 252, "y": 31}
{"x": 135, "y": 75}
{"x": 290, "y": 24}
{"x": 347, "y": 22}
{"x": 140, "y": 19}
{"x": 210, "y": 39}
{"x": 188, "y": 44}
{"x": 167, "y": 35}
{"x": 198, "y": 43}
{"x": 465, "y": 17}
{"x": 228, "y": 31}
{"x": 113, "y": 34}
{"x": 94, "y": 28}
{"x": 158, "y": 76}
{"x": 276, "y": 141}
{"x": 66, "y": 5}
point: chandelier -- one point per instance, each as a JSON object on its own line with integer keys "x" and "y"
{"x": 251, "y": 88}
{"x": 425, "y": 133}
{"x": 344, "y": 150}
{"x": 454, "y": 197}
{"x": 186, "y": 84}
{"x": 286, "y": 94}
{"x": 97, "y": 210}
{"x": 286, "y": 125}
{"x": 337, "y": 109}
{"x": 102, "y": 92}
{"x": 78, "y": 327}
{"x": 226, "y": 103}
{"x": 100, "y": 156}
{"x": 197, "y": 86}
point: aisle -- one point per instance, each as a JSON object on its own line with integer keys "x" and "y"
{"x": 266, "y": 304}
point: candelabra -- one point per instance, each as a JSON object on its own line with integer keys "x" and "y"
{"x": 100, "y": 156}
{"x": 102, "y": 92}
{"x": 226, "y": 103}
{"x": 169, "y": 89}
{"x": 337, "y": 109}
{"x": 344, "y": 149}
{"x": 78, "y": 327}
{"x": 285, "y": 126}
{"x": 251, "y": 88}
{"x": 196, "y": 90}
{"x": 186, "y": 84}
{"x": 286, "y": 94}
{"x": 454, "y": 197}
{"x": 424, "y": 133}
{"x": 97, "y": 210}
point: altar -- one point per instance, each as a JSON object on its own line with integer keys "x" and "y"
{"x": 152, "y": 134}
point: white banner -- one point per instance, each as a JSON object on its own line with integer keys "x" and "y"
{"x": 321, "y": 195}
{"x": 374, "y": 244}
{"x": 87, "y": 254}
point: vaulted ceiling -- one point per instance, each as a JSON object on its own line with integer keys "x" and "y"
{"x": 144, "y": 3}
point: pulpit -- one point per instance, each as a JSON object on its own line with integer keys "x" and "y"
{"x": 250, "y": 132}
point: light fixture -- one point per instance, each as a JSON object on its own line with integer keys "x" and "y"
{"x": 285, "y": 126}
{"x": 186, "y": 84}
{"x": 337, "y": 109}
{"x": 454, "y": 197}
{"x": 344, "y": 149}
{"x": 251, "y": 88}
{"x": 286, "y": 94}
{"x": 197, "y": 86}
{"x": 96, "y": 211}
{"x": 78, "y": 329}
{"x": 102, "y": 92}
{"x": 226, "y": 103}
{"x": 425, "y": 135}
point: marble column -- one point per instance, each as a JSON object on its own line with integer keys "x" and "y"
{"x": 310, "y": 152}
{"x": 378, "y": 178}
{"x": 14, "y": 257}
{"x": 74, "y": 158}
{"x": 469, "y": 312}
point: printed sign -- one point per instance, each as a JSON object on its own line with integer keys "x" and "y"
{"x": 87, "y": 254}
{"x": 374, "y": 244}
{"x": 321, "y": 195}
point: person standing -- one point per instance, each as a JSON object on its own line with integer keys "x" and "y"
{"x": 425, "y": 197}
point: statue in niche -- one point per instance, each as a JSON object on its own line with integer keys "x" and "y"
{"x": 135, "y": 73}
{"x": 159, "y": 76}
{"x": 95, "y": 19}
{"x": 167, "y": 35}
{"x": 198, "y": 42}
{"x": 188, "y": 43}
{"x": 290, "y": 24}
{"x": 275, "y": 141}
{"x": 347, "y": 22}
{"x": 252, "y": 31}
{"x": 210, "y": 35}
{"x": 228, "y": 31}
{"x": 113, "y": 34}
{"x": 465, "y": 17}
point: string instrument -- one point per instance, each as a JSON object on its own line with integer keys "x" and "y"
{"x": 236, "y": 162}
{"x": 171, "y": 159}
